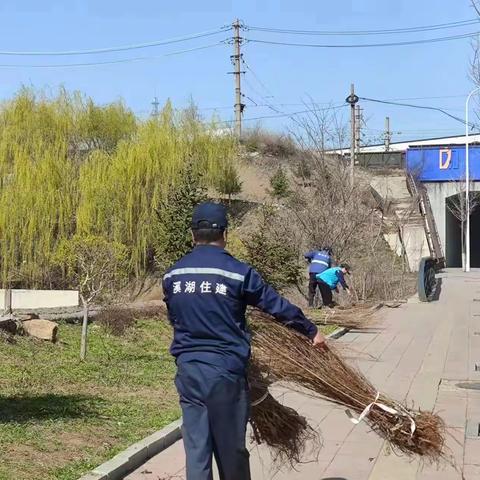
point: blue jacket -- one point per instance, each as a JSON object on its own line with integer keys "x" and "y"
{"x": 332, "y": 277}
{"x": 206, "y": 293}
{"x": 319, "y": 260}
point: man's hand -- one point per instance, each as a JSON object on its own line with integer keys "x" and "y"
{"x": 319, "y": 341}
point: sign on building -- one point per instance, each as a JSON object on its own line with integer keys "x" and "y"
{"x": 443, "y": 164}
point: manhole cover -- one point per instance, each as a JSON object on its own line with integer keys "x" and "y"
{"x": 469, "y": 385}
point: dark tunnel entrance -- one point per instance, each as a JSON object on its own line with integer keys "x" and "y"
{"x": 453, "y": 230}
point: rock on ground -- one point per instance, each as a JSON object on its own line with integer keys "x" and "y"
{"x": 42, "y": 329}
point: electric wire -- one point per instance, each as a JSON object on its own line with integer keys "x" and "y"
{"x": 424, "y": 28}
{"x": 333, "y": 107}
{"x": 120, "y": 48}
{"x": 110, "y": 62}
{"x": 423, "y": 107}
{"x": 365, "y": 45}
{"x": 299, "y": 104}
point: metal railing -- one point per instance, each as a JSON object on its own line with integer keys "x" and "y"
{"x": 426, "y": 281}
{"x": 418, "y": 191}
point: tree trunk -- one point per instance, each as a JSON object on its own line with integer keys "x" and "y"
{"x": 462, "y": 237}
{"x": 83, "y": 342}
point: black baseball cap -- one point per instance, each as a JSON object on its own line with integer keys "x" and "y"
{"x": 209, "y": 215}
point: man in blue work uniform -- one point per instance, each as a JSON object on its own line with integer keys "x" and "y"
{"x": 319, "y": 261}
{"x": 207, "y": 292}
{"x": 328, "y": 281}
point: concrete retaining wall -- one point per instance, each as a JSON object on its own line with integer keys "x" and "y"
{"x": 438, "y": 192}
{"x": 32, "y": 299}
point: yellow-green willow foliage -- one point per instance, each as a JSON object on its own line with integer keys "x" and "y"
{"x": 120, "y": 193}
{"x": 68, "y": 166}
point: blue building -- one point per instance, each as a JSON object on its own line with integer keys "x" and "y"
{"x": 441, "y": 170}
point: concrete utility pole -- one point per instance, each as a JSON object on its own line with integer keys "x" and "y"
{"x": 155, "y": 105}
{"x": 352, "y": 99}
{"x": 236, "y": 59}
{"x": 388, "y": 134}
{"x": 358, "y": 128}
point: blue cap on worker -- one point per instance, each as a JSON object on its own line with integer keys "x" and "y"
{"x": 209, "y": 215}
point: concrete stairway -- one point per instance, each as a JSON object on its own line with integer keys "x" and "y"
{"x": 405, "y": 231}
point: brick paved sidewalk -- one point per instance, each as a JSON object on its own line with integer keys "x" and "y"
{"x": 419, "y": 353}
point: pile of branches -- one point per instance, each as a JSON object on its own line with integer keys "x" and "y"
{"x": 288, "y": 435}
{"x": 283, "y": 355}
{"x": 357, "y": 318}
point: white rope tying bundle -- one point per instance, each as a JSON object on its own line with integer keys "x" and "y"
{"x": 259, "y": 400}
{"x": 383, "y": 407}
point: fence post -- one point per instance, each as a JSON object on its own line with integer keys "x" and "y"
{"x": 8, "y": 301}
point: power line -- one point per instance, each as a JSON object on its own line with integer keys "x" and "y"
{"x": 109, "y": 62}
{"x": 424, "y": 28}
{"x": 424, "y": 107}
{"x": 266, "y": 89}
{"x": 255, "y": 76}
{"x": 297, "y": 104}
{"x": 463, "y": 95}
{"x": 366, "y": 45}
{"x": 333, "y": 107}
{"x": 120, "y": 48}
{"x": 255, "y": 104}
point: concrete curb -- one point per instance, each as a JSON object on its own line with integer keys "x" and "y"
{"x": 136, "y": 454}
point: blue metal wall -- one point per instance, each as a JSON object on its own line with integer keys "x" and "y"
{"x": 443, "y": 164}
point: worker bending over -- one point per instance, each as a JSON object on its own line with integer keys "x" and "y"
{"x": 328, "y": 281}
{"x": 207, "y": 292}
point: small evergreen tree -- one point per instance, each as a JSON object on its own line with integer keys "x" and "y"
{"x": 279, "y": 184}
{"x": 172, "y": 232}
{"x": 228, "y": 182}
{"x": 266, "y": 250}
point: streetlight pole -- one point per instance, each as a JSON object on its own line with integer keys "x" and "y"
{"x": 467, "y": 182}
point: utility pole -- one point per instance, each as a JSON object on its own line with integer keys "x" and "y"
{"x": 236, "y": 59}
{"x": 358, "y": 128}
{"x": 388, "y": 134}
{"x": 352, "y": 99}
{"x": 155, "y": 105}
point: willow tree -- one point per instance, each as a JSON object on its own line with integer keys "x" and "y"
{"x": 69, "y": 166}
{"x": 120, "y": 192}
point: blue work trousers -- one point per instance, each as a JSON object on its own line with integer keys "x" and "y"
{"x": 215, "y": 407}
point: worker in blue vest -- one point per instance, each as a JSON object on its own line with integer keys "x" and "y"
{"x": 319, "y": 260}
{"x": 328, "y": 281}
{"x": 206, "y": 293}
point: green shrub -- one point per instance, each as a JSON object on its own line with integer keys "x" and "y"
{"x": 266, "y": 250}
{"x": 174, "y": 217}
{"x": 279, "y": 184}
{"x": 228, "y": 182}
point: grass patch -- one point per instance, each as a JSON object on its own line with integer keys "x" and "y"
{"x": 328, "y": 329}
{"x": 60, "y": 417}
